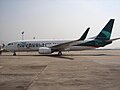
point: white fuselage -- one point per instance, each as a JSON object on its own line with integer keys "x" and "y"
{"x": 34, "y": 45}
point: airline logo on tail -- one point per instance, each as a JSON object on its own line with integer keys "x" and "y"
{"x": 105, "y": 34}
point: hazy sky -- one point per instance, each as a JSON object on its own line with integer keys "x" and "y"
{"x": 57, "y": 19}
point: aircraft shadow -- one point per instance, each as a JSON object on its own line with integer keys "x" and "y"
{"x": 57, "y": 56}
{"x": 67, "y": 56}
{"x": 90, "y": 55}
{"x": 48, "y": 55}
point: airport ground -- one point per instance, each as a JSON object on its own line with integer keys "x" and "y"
{"x": 83, "y": 70}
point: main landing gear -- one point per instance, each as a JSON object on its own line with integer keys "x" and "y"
{"x": 14, "y": 54}
{"x": 59, "y": 53}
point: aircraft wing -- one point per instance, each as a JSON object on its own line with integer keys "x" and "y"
{"x": 92, "y": 37}
{"x": 65, "y": 45}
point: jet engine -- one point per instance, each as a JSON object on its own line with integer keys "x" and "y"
{"x": 45, "y": 50}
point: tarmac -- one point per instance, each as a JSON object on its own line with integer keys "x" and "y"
{"x": 81, "y": 70}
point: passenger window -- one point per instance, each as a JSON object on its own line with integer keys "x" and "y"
{"x": 36, "y": 45}
{"x": 10, "y": 44}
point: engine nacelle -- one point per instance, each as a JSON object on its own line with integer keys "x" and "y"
{"x": 45, "y": 50}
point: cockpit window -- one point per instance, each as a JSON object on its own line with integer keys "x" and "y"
{"x": 10, "y": 44}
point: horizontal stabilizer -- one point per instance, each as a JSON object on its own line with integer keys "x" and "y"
{"x": 114, "y": 39}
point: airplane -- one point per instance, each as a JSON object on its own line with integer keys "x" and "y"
{"x": 51, "y": 46}
{"x": 43, "y": 47}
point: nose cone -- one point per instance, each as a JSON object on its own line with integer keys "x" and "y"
{"x": 3, "y": 48}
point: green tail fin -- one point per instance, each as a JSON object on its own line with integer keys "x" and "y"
{"x": 105, "y": 34}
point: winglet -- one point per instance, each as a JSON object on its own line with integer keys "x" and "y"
{"x": 85, "y": 34}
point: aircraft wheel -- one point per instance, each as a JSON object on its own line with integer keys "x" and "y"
{"x": 59, "y": 53}
{"x": 14, "y": 54}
